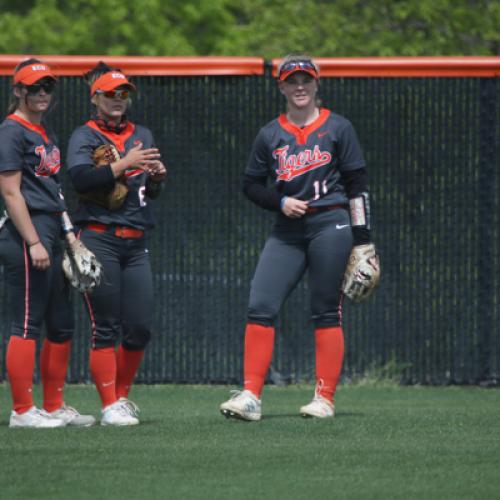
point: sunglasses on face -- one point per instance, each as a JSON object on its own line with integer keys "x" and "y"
{"x": 296, "y": 65}
{"x": 48, "y": 87}
{"x": 112, "y": 94}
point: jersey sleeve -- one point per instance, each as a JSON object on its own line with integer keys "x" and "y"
{"x": 80, "y": 148}
{"x": 11, "y": 148}
{"x": 255, "y": 189}
{"x": 258, "y": 163}
{"x": 350, "y": 154}
{"x": 86, "y": 178}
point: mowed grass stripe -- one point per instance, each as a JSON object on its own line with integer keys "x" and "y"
{"x": 385, "y": 442}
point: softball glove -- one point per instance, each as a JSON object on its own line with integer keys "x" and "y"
{"x": 81, "y": 267}
{"x": 362, "y": 273}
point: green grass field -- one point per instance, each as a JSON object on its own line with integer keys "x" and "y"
{"x": 386, "y": 442}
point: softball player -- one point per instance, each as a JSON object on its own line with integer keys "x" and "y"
{"x": 314, "y": 160}
{"x": 30, "y": 248}
{"x": 121, "y": 307}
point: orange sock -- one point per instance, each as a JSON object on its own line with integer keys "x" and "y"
{"x": 259, "y": 345}
{"x": 127, "y": 365}
{"x": 103, "y": 369}
{"x": 20, "y": 362}
{"x": 329, "y": 359}
{"x": 54, "y": 360}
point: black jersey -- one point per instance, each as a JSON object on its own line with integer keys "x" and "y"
{"x": 307, "y": 163}
{"x": 32, "y": 150}
{"x": 135, "y": 211}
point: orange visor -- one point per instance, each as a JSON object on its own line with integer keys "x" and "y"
{"x": 32, "y": 73}
{"x": 110, "y": 81}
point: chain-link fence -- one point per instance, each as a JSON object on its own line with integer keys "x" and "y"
{"x": 431, "y": 146}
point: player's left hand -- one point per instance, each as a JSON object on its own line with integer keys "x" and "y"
{"x": 39, "y": 256}
{"x": 157, "y": 172}
{"x": 294, "y": 208}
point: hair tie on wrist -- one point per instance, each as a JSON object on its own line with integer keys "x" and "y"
{"x": 33, "y": 244}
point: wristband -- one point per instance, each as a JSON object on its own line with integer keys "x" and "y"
{"x": 360, "y": 210}
{"x": 282, "y": 202}
{"x": 66, "y": 225}
{"x": 33, "y": 244}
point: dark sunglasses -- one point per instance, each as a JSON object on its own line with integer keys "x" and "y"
{"x": 48, "y": 87}
{"x": 111, "y": 94}
{"x": 297, "y": 65}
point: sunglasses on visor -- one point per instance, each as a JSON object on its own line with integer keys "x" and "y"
{"x": 292, "y": 66}
{"x": 111, "y": 94}
{"x": 48, "y": 87}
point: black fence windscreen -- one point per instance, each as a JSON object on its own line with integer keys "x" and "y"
{"x": 431, "y": 146}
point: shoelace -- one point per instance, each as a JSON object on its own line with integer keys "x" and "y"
{"x": 70, "y": 409}
{"x": 120, "y": 409}
{"x": 318, "y": 398}
{"x": 320, "y": 401}
{"x": 130, "y": 407}
{"x": 244, "y": 394}
{"x": 41, "y": 413}
{"x": 319, "y": 387}
{"x": 235, "y": 394}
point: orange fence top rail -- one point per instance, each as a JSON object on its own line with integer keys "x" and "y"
{"x": 146, "y": 66}
{"x": 219, "y": 66}
{"x": 406, "y": 66}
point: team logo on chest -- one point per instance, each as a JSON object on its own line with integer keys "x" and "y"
{"x": 291, "y": 166}
{"x": 50, "y": 162}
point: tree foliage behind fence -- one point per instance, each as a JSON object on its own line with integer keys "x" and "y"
{"x": 431, "y": 146}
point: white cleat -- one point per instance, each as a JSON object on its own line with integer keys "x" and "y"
{"x": 319, "y": 407}
{"x": 130, "y": 407}
{"x": 242, "y": 405}
{"x": 36, "y": 419}
{"x": 117, "y": 414}
{"x": 72, "y": 417}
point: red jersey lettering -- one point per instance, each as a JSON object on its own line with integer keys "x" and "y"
{"x": 292, "y": 166}
{"x": 50, "y": 163}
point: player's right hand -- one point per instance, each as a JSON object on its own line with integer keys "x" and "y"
{"x": 39, "y": 256}
{"x": 142, "y": 158}
{"x": 294, "y": 208}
